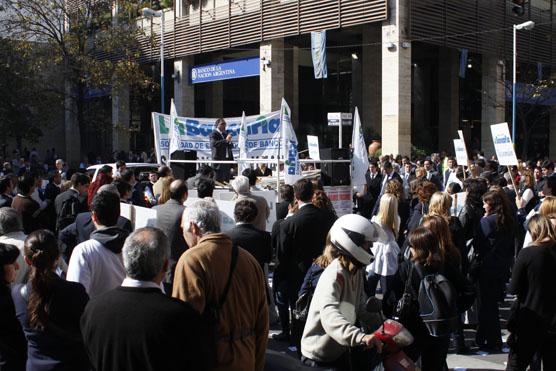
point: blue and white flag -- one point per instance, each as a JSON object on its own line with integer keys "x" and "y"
{"x": 360, "y": 159}
{"x": 292, "y": 168}
{"x": 242, "y": 144}
{"x": 174, "y": 129}
{"x": 318, "y": 52}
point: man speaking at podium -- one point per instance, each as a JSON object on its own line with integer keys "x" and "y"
{"x": 221, "y": 145}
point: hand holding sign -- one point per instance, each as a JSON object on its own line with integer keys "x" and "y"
{"x": 229, "y": 137}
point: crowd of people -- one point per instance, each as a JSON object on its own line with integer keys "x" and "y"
{"x": 82, "y": 290}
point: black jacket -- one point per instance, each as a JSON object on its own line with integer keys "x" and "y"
{"x": 221, "y": 148}
{"x": 255, "y": 241}
{"x": 142, "y": 329}
{"x": 81, "y": 229}
{"x": 60, "y": 346}
{"x": 168, "y": 219}
{"x": 5, "y": 200}
{"x": 302, "y": 239}
{"x": 13, "y": 346}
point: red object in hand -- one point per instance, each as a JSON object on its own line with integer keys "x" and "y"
{"x": 395, "y": 336}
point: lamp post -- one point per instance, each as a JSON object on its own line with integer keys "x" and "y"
{"x": 529, "y": 25}
{"x": 150, "y": 13}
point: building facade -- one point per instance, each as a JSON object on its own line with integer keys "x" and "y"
{"x": 418, "y": 70}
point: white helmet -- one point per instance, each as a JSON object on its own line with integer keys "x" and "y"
{"x": 349, "y": 233}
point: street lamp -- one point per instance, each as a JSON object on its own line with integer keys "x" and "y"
{"x": 529, "y": 25}
{"x": 150, "y": 13}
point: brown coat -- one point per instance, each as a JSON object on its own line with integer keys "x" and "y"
{"x": 201, "y": 273}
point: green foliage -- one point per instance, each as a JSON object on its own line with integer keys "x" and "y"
{"x": 83, "y": 42}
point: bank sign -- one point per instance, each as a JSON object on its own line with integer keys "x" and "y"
{"x": 234, "y": 69}
{"x": 263, "y": 134}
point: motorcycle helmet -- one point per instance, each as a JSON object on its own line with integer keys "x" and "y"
{"x": 349, "y": 234}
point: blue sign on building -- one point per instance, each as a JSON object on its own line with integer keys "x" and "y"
{"x": 234, "y": 69}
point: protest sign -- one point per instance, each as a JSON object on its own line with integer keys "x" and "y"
{"x": 503, "y": 144}
{"x": 313, "y": 144}
{"x": 461, "y": 153}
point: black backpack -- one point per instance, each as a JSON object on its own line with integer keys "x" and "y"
{"x": 437, "y": 304}
{"x": 68, "y": 212}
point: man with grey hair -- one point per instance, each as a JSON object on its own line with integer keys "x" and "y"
{"x": 152, "y": 331}
{"x": 242, "y": 189}
{"x": 11, "y": 233}
{"x": 215, "y": 276}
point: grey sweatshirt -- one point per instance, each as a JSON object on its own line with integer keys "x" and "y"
{"x": 338, "y": 301}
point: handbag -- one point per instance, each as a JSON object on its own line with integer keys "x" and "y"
{"x": 405, "y": 306}
{"x": 302, "y": 304}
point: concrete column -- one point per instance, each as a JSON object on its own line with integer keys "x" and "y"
{"x": 448, "y": 98}
{"x": 371, "y": 89}
{"x": 291, "y": 82}
{"x": 120, "y": 119}
{"x": 396, "y": 81}
{"x": 71, "y": 128}
{"x": 184, "y": 91}
{"x": 272, "y": 82}
{"x": 493, "y": 100}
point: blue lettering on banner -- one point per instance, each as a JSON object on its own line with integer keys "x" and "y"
{"x": 233, "y": 69}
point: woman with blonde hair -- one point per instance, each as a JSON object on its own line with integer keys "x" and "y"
{"x": 385, "y": 265}
{"x": 547, "y": 209}
{"x": 165, "y": 193}
{"x": 440, "y": 205}
{"x": 532, "y": 323}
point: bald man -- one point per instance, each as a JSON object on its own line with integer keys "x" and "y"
{"x": 168, "y": 219}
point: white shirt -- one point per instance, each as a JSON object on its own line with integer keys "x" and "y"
{"x": 386, "y": 254}
{"x": 131, "y": 282}
{"x": 96, "y": 268}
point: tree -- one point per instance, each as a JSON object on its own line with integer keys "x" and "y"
{"x": 24, "y": 115}
{"x": 93, "y": 43}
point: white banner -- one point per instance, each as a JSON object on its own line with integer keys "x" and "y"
{"x": 292, "y": 167}
{"x": 263, "y": 134}
{"x": 503, "y": 144}
{"x": 461, "y": 153}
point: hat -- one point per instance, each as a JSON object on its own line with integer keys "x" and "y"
{"x": 8, "y": 254}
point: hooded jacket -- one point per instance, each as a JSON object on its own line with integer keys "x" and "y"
{"x": 97, "y": 263}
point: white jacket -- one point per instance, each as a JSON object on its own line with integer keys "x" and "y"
{"x": 386, "y": 255}
{"x": 338, "y": 301}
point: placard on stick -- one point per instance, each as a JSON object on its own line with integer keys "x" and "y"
{"x": 503, "y": 144}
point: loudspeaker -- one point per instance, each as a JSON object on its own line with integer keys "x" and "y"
{"x": 335, "y": 174}
{"x": 183, "y": 170}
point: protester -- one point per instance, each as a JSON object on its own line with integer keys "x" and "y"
{"x": 472, "y": 211}
{"x": 241, "y": 186}
{"x": 97, "y": 263}
{"x": 205, "y": 188}
{"x": 71, "y": 202}
{"x": 532, "y": 322}
{"x": 25, "y": 205}
{"x": 120, "y": 169}
{"x": 137, "y": 191}
{"x": 320, "y": 199}
{"x": 336, "y": 305}
{"x": 300, "y": 240}
{"x": 263, "y": 170}
{"x": 425, "y": 190}
{"x": 247, "y": 236}
{"x": 367, "y": 199}
{"x": 168, "y": 219}
{"x": 11, "y": 233}
{"x": 6, "y": 189}
{"x": 80, "y": 230}
{"x": 427, "y": 258}
{"x": 494, "y": 246}
{"x": 13, "y": 346}
{"x": 547, "y": 209}
{"x": 386, "y": 250}
{"x": 163, "y": 172}
{"x": 527, "y": 198}
{"x": 124, "y": 190}
{"x": 221, "y": 146}
{"x": 49, "y": 309}
{"x": 215, "y": 275}
{"x": 104, "y": 176}
{"x": 165, "y": 193}
{"x": 156, "y": 332}
{"x": 287, "y": 197}
{"x": 440, "y": 206}
{"x": 388, "y": 175}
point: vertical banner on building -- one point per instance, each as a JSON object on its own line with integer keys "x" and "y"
{"x": 242, "y": 144}
{"x": 292, "y": 168}
{"x": 463, "y": 62}
{"x": 503, "y": 144}
{"x": 360, "y": 159}
{"x": 318, "y": 52}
